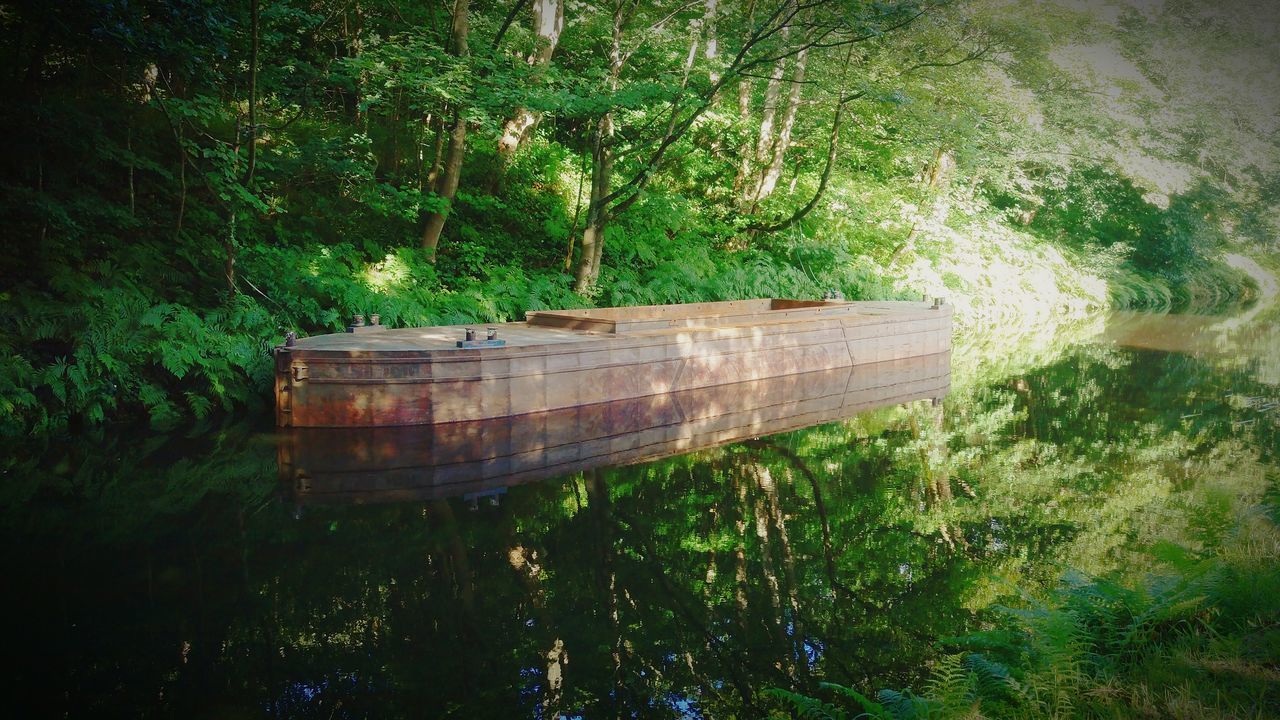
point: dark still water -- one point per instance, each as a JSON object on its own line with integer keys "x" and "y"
{"x": 826, "y": 528}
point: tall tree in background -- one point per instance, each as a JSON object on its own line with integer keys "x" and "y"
{"x": 548, "y": 23}
{"x": 775, "y": 139}
{"x": 602, "y": 160}
{"x": 447, "y": 184}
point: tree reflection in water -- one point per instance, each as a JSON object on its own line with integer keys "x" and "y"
{"x": 175, "y": 578}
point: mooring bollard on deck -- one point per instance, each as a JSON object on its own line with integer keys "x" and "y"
{"x": 491, "y": 339}
{"x": 358, "y": 325}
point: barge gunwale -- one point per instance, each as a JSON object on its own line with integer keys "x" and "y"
{"x": 365, "y": 360}
{"x": 645, "y": 318}
{"x": 585, "y": 340}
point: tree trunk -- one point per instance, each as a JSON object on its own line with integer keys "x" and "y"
{"x": 832, "y": 149}
{"x": 548, "y": 22}
{"x": 766, "y": 139}
{"x": 182, "y": 184}
{"x": 448, "y": 184}
{"x": 253, "y": 94}
{"x": 740, "y": 551}
{"x": 577, "y": 213}
{"x": 437, "y": 152}
{"x": 776, "y": 620}
{"x": 712, "y": 49}
{"x": 778, "y": 521}
{"x": 937, "y": 173}
{"x": 744, "y": 153}
{"x": 768, "y": 114}
{"x": 744, "y": 114}
{"x": 597, "y": 217}
{"x": 600, "y": 507}
{"x": 935, "y": 177}
{"x": 823, "y": 180}
{"x": 128, "y": 146}
{"x": 229, "y": 255}
{"x": 395, "y": 135}
{"x": 601, "y": 172}
{"x": 695, "y": 37}
{"x": 770, "y": 175}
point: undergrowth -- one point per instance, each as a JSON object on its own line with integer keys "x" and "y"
{"x": 99, "y": 345}
{"x": 1206, "y": 288}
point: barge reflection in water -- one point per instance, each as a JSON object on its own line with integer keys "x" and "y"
{"x": 483, "y": 456}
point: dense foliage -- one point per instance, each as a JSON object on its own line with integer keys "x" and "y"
{"x": 187, "y": 180}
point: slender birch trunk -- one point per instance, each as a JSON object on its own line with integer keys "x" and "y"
{"x": 548, "y": 22}
{"x": 766, "y": 139}
{"x": 695, "y": 37}
{"x": 437, "y": 152}
{"x": 253, "y": 93}
{"x": 712, "y": 49}
{"x": 744, "y": 115}
{"x": 768, "y": 114}
{"x": 771, "y": 173}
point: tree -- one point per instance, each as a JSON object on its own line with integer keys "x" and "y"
{"x": 447, "y": 184}
{"x": 767, "y": 43}
{"x": 548, "y": 23}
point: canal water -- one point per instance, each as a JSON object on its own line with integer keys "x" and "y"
{"x": 231, "y": 572}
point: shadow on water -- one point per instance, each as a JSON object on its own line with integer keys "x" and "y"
{"x": 666, "y": 558}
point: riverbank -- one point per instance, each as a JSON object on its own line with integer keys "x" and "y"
{"x": 1268, "y": 285}
{"x": 97, "y": 352}
{"x": 999, "y": 276}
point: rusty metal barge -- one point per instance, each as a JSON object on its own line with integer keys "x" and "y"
{"x": 372, "y": 376}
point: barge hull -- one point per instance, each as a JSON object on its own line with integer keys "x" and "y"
{"x": 450, "y": 459}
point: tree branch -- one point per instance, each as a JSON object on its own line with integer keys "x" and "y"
{"x": 506, "y": 23}
{"x": 627, "y": 194}
{"x": 646, "y": 35}
{"x": 832, "y": 148}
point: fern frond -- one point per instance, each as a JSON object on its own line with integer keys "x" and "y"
{"x": 870, "y": 708}
{"x": 806, "y": 707}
